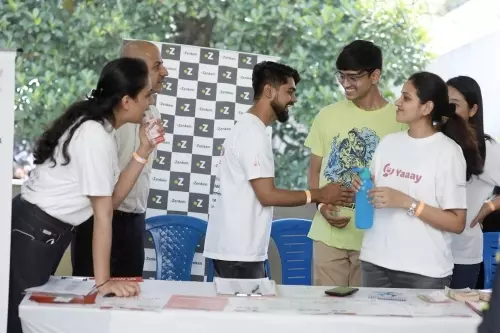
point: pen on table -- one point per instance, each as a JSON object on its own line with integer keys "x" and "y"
{"x": 252, "y": 293}
{"x": 80, "y": 278}
{"x": 470, "y": 306}
{"x": 246, "y": 295}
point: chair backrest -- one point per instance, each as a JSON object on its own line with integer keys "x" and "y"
{"x": 490, "y": 249}
{"x": 295, "y": 250}
{"x": 175, "y": 238}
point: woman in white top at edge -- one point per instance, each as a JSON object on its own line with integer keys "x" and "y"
{"x": 77, "y": 176}
{"x": 420, "y": 190}
{"x": 467, "y": 247}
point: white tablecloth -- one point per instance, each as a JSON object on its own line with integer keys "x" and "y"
{"x": 45, "y": 318}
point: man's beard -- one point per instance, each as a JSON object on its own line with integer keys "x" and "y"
{"x": 280, "y": 111}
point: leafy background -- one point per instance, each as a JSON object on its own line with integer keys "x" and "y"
{"x": 67, "y": 42}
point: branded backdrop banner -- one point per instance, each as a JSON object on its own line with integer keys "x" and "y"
{"x": 205, "y": 93}
{"x": 7, "y": 89}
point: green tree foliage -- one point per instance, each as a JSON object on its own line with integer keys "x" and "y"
{"x": 66, "y": 43}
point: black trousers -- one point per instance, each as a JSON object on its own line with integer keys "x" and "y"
{"x": 127, "y": 247}
{"x": 38, "y": 242}
{"x": 465, "y": 276}
{"x": 239, "y": 269}
{"x": 374, "y": 276}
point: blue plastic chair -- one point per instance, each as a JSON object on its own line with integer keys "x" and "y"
{"x": 295, "y": 250}
{"x": 490, "y": 249}
{"x": 175, "y": 238}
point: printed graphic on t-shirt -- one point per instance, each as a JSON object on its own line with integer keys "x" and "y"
{"x": 355, "y": 150}
{"x": 389, "y": 171}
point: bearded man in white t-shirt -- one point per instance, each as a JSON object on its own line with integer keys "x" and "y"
{"x": 239, "y": 226}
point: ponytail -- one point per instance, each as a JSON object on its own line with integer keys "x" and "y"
{"x": 457, "y": 129}
{"x": 91, "y": 109}
{"x": 120, "y": 77}
{"x": 49, "y": 140}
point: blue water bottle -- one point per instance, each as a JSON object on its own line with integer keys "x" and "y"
{"x": 363, "y": 212}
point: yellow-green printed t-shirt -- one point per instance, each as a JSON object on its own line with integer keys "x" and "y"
{"x": 346, "y": 137}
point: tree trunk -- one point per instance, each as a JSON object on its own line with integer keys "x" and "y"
{"x": 192, "y": 31}
{"x": 69, "y": 5}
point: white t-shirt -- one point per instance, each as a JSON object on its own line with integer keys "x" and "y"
{"x": 127, "y": 142}
{"x": 239, "y": 227}
{"x": 62, "y": 191}
{"x": 432, "y": 170}
{"x": 468, "y": 247}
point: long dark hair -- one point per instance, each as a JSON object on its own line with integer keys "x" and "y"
{"x": 471, "y": 92}
{"x": 120, "y": 77}
{"x": 430, "y": 87}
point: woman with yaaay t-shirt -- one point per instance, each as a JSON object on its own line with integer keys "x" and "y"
{"x": 420, "y": 191}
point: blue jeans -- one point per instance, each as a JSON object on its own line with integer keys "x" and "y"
{"x": 465, "y": 276}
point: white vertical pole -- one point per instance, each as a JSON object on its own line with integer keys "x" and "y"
{"x": 7, "y": 91}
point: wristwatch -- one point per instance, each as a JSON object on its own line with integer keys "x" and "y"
{"x": 413, "y": 207}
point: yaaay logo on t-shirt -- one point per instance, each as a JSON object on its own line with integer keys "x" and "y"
{"x": 389, "y": 171}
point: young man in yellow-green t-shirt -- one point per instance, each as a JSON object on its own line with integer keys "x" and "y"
{"x": 344, "y": 135}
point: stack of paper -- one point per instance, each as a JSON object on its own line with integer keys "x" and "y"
{"x": 435, "y": 297}
{"x": 463, "y": 295}
{"x": 485, "y": 295}
{"x": 64, "y": 286}
{"x": 245, "y": 287}
{"x": 64, "y": 289}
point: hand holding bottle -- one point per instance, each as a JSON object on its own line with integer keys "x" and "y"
{"x": 153, "y": 128}
{"x": 151, "y": 133}
{"x": 336, "y": 194}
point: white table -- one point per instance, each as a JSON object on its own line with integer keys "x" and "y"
{"x": 45, "y": 318}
